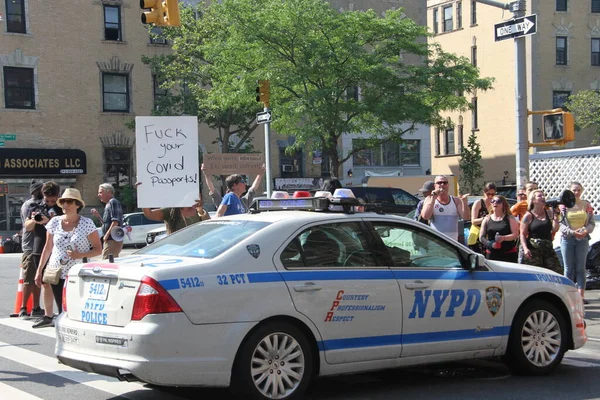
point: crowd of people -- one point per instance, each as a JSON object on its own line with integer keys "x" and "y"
{"x": 522, "y": 233}
{"x": 56, "y": 236}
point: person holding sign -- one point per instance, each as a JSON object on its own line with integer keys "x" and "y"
{"x": 232, "y": 203}
{"x": 246, "y": 197}
{"x": 176, "y": 218}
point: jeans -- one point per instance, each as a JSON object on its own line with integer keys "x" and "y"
{"x": 574, "y": 253}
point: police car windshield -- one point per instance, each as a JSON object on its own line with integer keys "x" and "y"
{"x": 207, "y": 239}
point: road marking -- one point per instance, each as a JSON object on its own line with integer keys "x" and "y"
{"x": 51, "y": 365}
{"x": 593, "y": 339}
{"x": 26, "y": 325}
{"x": 9, "y": 392}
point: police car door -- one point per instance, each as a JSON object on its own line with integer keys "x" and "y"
{"x": 446, "y": 308}
{"x": 338, "y": 282}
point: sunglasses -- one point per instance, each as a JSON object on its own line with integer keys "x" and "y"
{"x": 69, "y": 201}
{"x": 496, "y": 201}
{"x": 441, "y": 183}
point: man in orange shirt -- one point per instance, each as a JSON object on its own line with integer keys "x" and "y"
{"x": 519, "y": 209}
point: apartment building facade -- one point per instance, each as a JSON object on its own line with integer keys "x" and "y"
{"x": 72, "y": 79}
{"x": 563, "y": 57}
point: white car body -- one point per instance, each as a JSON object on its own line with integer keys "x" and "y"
{"x": 140, "y": 226}
{"x": 354, "y": 318}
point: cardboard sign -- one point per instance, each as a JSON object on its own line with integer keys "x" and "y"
{"x": 234, "y": 163}
{"x": 167, "y": 161}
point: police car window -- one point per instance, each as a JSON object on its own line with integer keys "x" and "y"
{"x": 332, "y": 245}
{"x": 411, "y": 247}
{"x": 207, "y": 239}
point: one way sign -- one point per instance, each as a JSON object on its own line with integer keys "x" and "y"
{"x": 516, "y": 28}
{"x": 263, "y": 117}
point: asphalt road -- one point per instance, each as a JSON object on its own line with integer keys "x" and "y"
{"x": 29, "y": 371}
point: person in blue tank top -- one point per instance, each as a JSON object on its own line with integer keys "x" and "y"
{"x": 231, "y": 203}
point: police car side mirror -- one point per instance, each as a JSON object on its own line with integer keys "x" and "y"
{"x": 475, "y": 260}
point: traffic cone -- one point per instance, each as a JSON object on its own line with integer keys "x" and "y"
{"x": 19, "y": 299}
{"x": 1, "y": 245}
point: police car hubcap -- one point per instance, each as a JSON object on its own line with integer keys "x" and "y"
{"x": 277, "y": 365}
{"x": 541, "y": 338}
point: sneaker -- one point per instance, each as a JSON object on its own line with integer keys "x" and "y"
{"x": 45, "y": 321}
{"x": 585, "y": 301}
{"x": 37, "y": 312}
{"x": 23, "y": 314}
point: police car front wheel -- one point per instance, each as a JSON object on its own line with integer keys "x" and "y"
{"x": 276, "y": 362}
{"x": 538, "y": 339}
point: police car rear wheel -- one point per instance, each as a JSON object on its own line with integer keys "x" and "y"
{"x": 537, "y": 340}
{"x": 276, "y": 362}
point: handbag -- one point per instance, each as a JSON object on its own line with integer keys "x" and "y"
{"x": 52, "y": 275}
{"x": 473, "y": 235}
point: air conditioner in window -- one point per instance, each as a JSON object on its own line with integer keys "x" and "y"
{"x": 287, "y": 168}
{"x": 159, "y": 40}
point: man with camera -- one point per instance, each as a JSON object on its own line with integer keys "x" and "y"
{"x": 38, "y": 215}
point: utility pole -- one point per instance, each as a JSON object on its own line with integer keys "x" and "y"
{"x": 522, "y": 138}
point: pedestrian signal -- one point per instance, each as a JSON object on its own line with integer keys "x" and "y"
{"x": 558, "y": 127}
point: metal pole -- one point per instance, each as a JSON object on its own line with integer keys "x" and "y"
{"x": 522, "y": 139}
{"x": 268, "y": 154}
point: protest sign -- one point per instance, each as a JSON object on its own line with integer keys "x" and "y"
{"x": 234, "y": 163}
{"x": 167, "y": 161}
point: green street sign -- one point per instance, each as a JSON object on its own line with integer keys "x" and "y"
{"x": 1, "y": 144}
{"x": 8, "y": 136}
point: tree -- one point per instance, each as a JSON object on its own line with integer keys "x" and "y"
{"x": 470, "y": 167}
{"x": 585, "y": 105}
{"x": 314, "y": 56}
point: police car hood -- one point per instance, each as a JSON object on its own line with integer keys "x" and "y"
{"x": 507, "y": 270}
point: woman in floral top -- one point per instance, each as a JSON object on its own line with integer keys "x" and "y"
{"x": 71, "y": 237}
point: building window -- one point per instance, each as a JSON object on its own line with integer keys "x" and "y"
{"x": 15, "y": 16}
{"x": 387, "y": 154}
{"x": 159, "y": 92}
{"x": 561, "y": 5}
{"x": 459, "y": 15}
{"x": 596, "y": 6}
{"x": 448, "y": 19}
{"x": 474, "y": 114}
{"x": 474, "y": 55}
{"x": 118, "y": 166}
{"x": 449, "y": 137}
{"x": 473, "y": 12}
{"x": 596, "y": 52}
{"x": 561, "y": 50}
{"x": 112, "y": 23}
{"x": 559, "y": 98}
{"x": 156, "y": 35}
{"x": 115, "y": 91}
{"x": 19, "y": 88}
{"x": 435, "y": 21}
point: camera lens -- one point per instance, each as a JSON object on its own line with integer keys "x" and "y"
{"x": 37, "y": 217}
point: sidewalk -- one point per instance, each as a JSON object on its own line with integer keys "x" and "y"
{"x": 592, "y": 314}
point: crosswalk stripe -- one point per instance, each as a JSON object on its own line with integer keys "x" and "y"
{"x": 51, "y": 365}
{"x": 9, "y": 392}
{"x": 27, "y": 325}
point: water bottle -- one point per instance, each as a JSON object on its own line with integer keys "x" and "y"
{"x": 496, "y": 244}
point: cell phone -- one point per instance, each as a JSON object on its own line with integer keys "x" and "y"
{"x": 69, "y": 247}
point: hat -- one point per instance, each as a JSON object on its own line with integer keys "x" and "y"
{"x": 35, "y": 186}
{"x": 427, "y": 187}
{"x": 70, "y": 193}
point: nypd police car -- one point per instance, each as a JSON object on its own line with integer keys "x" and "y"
{"x": 265, "y": 302}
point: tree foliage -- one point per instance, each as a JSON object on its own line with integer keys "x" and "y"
{"x": 314, "y": 57}
{"x": 470, "y": 167}
{"x": 585, "y": 105}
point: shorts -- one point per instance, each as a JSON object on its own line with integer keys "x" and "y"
{"x": 29, "y": 263}
{"x": 111, "y": 247}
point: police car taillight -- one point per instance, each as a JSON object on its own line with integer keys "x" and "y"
{"x": 152, "y": 298}
{"x": 64, "y": 294}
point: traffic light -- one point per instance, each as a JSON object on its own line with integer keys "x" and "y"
{"x": 263, "y": 92}
{"x": 162, "y": 12}
{"x": 558, "y": 127}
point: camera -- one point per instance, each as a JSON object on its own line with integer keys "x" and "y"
{"x": 42, "y": 210}
{"x": 566, "y": 198}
